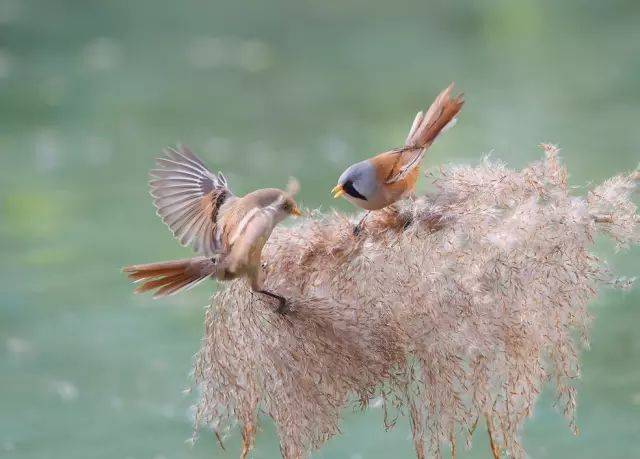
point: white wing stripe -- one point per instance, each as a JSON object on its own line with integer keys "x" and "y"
{"x": 179, "y": 173}
{"x": 186, "y": 153}
{"x": 182, "y": 167}
{"x": 185, "y": 159}
{"x": 173, "y": 218}
{"x": 173, "y": 192}
{"x": 176, "y": 206}
{"x": 243, "y": 224}
{"x": 186, "y": 233}
{"x": 172, "y": 174}
{"x": 174, "y": 199}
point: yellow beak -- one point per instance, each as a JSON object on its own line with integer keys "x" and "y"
{"x": 296, "y": 212}
{"x": 337, "y": 191}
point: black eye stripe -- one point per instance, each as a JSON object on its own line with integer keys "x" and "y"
{"x": 351, "y": 191}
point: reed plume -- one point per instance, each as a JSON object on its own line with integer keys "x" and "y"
{"x": 455, "y": 307}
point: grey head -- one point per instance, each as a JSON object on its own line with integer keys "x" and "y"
{"x": 359, "y": 181}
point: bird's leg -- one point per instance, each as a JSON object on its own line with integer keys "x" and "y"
{"x": 358, "y": 227}
{"x": 283, "y": 306}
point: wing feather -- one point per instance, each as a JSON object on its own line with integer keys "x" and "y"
{"x": 187, "y": 196}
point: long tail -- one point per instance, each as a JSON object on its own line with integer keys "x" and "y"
{"x": 424, "y": 130}
{"x": 169, "y": 277}
{"x": 440, "y": 116}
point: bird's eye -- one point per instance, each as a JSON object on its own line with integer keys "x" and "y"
{"x": 286, "y": 206}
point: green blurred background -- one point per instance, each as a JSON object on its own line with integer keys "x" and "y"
{"x": 90, "y": 91}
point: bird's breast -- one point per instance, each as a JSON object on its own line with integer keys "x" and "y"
{"x": 374, "y": 202}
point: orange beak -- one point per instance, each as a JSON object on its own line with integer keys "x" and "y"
{"x": 296, "y": 212}
{"x": 337, "y": 191}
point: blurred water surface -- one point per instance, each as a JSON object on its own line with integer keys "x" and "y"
{"x": 91, "y": 91}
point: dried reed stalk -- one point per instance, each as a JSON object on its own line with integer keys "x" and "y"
{"x": 455, "y": 306}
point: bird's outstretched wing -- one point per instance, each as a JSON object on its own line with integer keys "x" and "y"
{"x": 440, "y": 116}
{"x": 188, "y": 197}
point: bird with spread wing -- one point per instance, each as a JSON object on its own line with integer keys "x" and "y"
{"x": 228, "y": 232}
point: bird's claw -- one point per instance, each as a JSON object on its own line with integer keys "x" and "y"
{"x": 283, "y": 306}
{"x": 360, "y": 226}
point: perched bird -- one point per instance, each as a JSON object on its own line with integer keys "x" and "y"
{"x": 380, "y": 181}
{"x": 227, "y": 231}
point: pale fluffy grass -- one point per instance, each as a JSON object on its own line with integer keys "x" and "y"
{"x": 455, "y": 307}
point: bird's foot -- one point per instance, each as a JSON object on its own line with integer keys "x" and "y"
{"x": 283, "y": 304}
{"x": 360, "y": 226}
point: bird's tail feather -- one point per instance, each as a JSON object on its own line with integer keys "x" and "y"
{"x": 169, "y": 277}
{"x": 440, "y": 116}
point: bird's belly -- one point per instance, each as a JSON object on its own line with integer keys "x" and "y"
{"x": 368, "y": 204}
{"x": 255, "y": 252}
{"x": 381, "y": 199}
{"x": 244, "y": 258}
